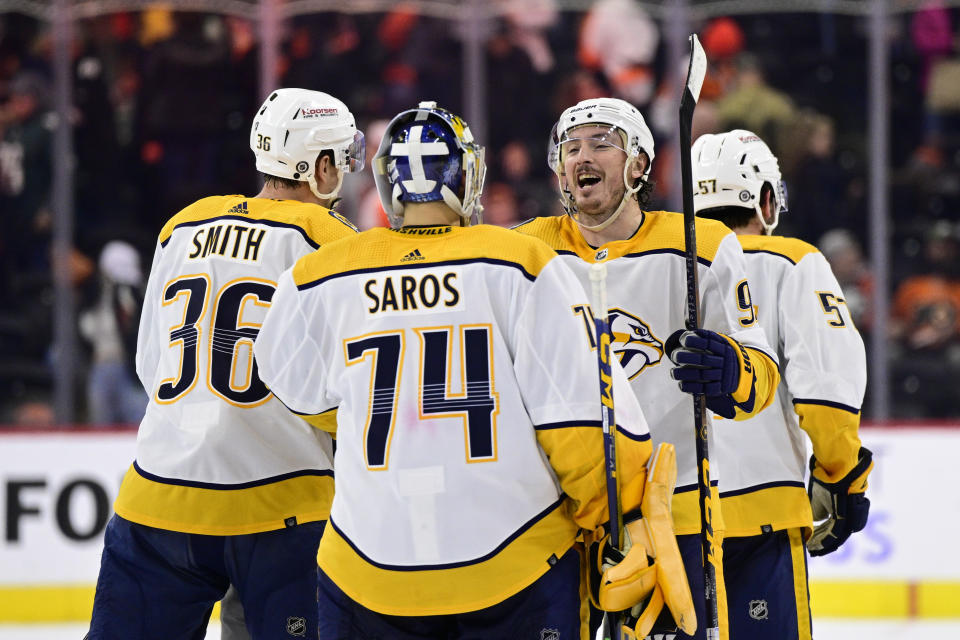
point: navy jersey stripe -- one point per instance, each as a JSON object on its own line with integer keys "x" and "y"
{"x": 676, "y": 252}
{"x": 773, "y": 253}
{"x": 638, "y": 437}
{"x": 231, "y": 487}
{"x": 452, "y": 565}
{"x": 270, "y": 223}
{"x": 424, "y": 265}
{"x": 692, "y": 487}
{"x": 761, "y": 487}
{"x": 827, "y": 403}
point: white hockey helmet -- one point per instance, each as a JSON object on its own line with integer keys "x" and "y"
{"x": 294, "y": 125}
{"x": 730, "y": 169}
{"x": 633, "y": 137}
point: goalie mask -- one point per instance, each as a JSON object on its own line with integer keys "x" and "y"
{"x": 291, "y": 129}
{"x": 428, "y": 154}
{"x": 730, "y": 169}
{"x": 613, "y": 123}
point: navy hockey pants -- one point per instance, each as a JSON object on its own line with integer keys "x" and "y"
{"x": 156, "y": 584}
{"x": 766, "y": 578}
{"x": 549, "y": 609}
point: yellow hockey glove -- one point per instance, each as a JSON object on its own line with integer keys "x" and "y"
{"x": 649, "y": 572}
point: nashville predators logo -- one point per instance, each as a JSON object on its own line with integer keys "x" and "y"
{"x": 634, "y": 343}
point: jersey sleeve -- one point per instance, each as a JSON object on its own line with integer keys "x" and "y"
{"x": 727, "y": 308}
{"x": 148, "y": 345}
{"x": 824, "y": 364}
{"x": 556, "y": 368}
{"x": 289, "y": 355}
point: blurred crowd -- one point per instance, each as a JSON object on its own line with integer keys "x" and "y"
{"x": 162, "y": 104}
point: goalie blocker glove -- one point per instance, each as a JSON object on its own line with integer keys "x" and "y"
{"x": 841, "y": 505}
{"x": 714, "y": 365}
{"x": 648, "y": 573}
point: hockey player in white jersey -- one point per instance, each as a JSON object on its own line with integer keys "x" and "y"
{"x": 229, "y": 487}
{"x": 469, "y": 451}
{"x": 602, "y": 153}
{"x": 801, "y": 308}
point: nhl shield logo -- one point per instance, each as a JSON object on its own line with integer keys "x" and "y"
{"x": 549, "y": 634}
{"x": 601, "y": 255}
{"x": 297, "y": 626}
{"x": 758, "y": 609}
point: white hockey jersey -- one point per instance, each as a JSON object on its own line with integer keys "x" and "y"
{"x": 469, "y": 443}
{"x": 217, "y": 453}
{"x": 823, "y": 365}
{"x": 646, "y": 293}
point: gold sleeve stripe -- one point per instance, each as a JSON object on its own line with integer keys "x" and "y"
{"x": 834, "y": 434}
{"x": 301, "y": 286}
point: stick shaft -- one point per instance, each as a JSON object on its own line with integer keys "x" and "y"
{"x": 688, "y": 104}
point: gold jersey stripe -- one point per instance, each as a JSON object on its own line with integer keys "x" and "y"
{"x": 686, "y": 512}
{"x": 780, "y": 507}
{"x": 428, "y": 592}
{"x": 223, "y": 512}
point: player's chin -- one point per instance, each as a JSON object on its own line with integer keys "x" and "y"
{"x": 593, "y": 205}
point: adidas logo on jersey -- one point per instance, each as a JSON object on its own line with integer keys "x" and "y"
{"x": 239, "y": 208}
{"x": 413, "y": 256}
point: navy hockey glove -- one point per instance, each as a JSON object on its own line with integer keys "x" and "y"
{"x": 841, "y": 505}
{"x": 706, "y": 363}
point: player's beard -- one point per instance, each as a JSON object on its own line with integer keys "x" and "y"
{"x": 600, "y": 204}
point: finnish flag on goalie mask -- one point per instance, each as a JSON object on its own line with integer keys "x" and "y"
{"x": 423, "y": 164}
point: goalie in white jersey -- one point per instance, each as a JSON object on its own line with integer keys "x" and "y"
{"x": 469, "y": 449}
{"x": 228, "y": 487}
{"x": 802, "y": 311}
{"x": 602, "y": 152}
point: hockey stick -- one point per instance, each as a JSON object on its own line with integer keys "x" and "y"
{"x": 598, "y": 303}
{"x": 691, "y": 93}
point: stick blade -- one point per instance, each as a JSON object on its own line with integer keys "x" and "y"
{"x": 697, "y": 69}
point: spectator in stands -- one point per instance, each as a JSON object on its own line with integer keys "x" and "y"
{"x": 926, "y": 307}
{"x": 753, "y": 104}
{"x": 619, "y": 39}
{"x": 114, "y": 395}
{"x": 26, "y": 171}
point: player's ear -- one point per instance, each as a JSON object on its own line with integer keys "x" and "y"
{"x": 324, "y": 166}
{"x": 640, "y": 164}
{"x": 766, "y": 202}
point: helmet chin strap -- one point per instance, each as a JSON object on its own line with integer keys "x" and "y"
{"x": 328, "y": 197}
{"x": 627, "y": 193}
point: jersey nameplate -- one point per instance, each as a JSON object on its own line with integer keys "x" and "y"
{"x": 432, "y": 292}
{"x": 237, "y": 241}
